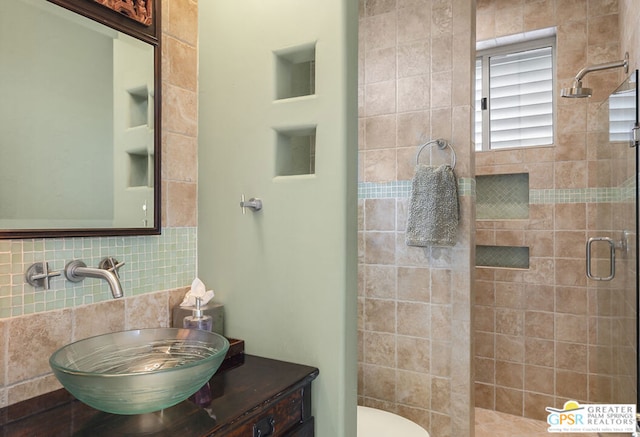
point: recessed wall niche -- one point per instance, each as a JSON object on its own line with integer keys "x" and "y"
{"x": 295, "y": 71}
{"x": 296, "y": 151}
{"x": 502, "y": 257}
{"x": 502, "y": 196}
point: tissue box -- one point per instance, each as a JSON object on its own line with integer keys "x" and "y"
{"x": 216, "y": 311}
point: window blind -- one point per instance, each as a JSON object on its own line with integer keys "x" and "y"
{"x": 520, "y": 98}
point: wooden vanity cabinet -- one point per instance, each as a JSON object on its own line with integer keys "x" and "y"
{"x": 273, "y": 399}
{"x": 254, "y": 397}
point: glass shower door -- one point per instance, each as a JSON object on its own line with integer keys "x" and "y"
{"x": 611, "y": 255}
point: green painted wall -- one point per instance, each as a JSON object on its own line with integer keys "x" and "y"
{"x": 286, "y": 274}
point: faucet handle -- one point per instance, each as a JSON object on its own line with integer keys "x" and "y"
{"x": 111, "y": 264}
{"x": 38, "y": 275}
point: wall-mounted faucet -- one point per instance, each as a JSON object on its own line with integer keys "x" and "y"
{"x": 76, "y": 271}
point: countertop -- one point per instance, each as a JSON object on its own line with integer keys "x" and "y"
{"x": 237, "y": 393}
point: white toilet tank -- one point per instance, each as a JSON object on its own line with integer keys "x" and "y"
{"x": 378, "y": 423}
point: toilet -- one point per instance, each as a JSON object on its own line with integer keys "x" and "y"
{"x": 377, "y": 423}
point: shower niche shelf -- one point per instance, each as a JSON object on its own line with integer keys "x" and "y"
{"x": 502, "y": 196}
{"x": 511, "y": 257}
{"x": 296, "y": 151}
{"x": 295, "y": 71}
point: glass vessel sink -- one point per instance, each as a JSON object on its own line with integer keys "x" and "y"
{"x": 139, "y": 371}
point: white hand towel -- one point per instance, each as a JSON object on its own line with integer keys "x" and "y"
{"x": 433, "y": 207}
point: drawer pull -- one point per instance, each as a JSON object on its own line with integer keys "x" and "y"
{"x": 264, "y": 427}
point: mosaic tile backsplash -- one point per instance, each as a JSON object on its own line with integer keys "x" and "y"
{"x": 152, "y": 263}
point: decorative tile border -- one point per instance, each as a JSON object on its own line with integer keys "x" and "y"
{"x": 467, "y": 187}
{"x": 402, "y": 189}
{"x": 152, "y": 263}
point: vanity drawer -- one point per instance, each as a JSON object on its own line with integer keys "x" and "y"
{"x": 275, "y": 420}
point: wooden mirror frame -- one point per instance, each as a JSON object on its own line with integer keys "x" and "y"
{"x": 149, "y": 33}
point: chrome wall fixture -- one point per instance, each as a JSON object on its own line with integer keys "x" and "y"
{"x": 577, "y": 91}
{"x": 39, "y": 275}
{"x": 254, "y": 204}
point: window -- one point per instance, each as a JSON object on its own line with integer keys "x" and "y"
{"x": 515, "y": 95}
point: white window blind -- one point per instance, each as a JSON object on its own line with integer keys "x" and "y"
{"x": 519, "y": 94}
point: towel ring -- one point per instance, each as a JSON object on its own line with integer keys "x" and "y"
{"x": 442, "y": 144}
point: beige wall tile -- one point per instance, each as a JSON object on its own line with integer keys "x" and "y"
{"x": 571, "y": 385}
{"x": 484, "y": 396}
{"x": 414, "y": 319}
{"x": 535, "y": 404}
{"x": 413, "y": 130}
{"x": 379, "y": 382}
{"x": 413, "y": 93}
{"x": 539, "y": 352}
{"x": 31, "y": 388}
{"x": 380, "y": 281}
{"x": 380, "y": 214}
{"x": 539, "y": 324}
{"x": 571, "y": 328}
{"x": 31, "y": 340}
{"x": 509, "y": 400}
{"x": 414, "y": 284}
{"x": 179, "y": 158}
{"x": 379, "y": 31}
{"x": 182, "y": 64}
{"x": 179, "y": 110}
{"x": 101, "y": 318}
{"x": 380, "y": 247}
{"x": 377, "y": 7}
{"x": 380, "y": 132}
{"x": 413, "y": 354}
{"x": 413, "y": 58}
{"x": 380, "y": 315}
{"x": 509, "y": 348}
{"x": 147, "y": 311}
{"x": 182, "y": 201}
{"x": 380, "y": 349}
{"x": 539, "y": 379}
{"x": 379, "y": 165}
{"x": 509, "y": 374}
{"x": 413, "y": 388}
{"x": 182, "y": 20}
{"x": 380, "y": 65}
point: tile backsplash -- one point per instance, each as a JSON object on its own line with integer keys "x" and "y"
{"x": 152, "y": 263}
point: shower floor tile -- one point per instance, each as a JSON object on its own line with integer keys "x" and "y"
{"x": 495, "y": 424}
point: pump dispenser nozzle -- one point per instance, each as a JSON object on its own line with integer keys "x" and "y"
{"x": 197, "y": 320}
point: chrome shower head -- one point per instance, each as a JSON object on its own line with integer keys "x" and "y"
{"x": 576, "y": 91}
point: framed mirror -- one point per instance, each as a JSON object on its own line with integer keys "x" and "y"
{"x": 79, "y": 120}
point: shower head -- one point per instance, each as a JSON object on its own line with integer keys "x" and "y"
{"x": 576, "y": 90}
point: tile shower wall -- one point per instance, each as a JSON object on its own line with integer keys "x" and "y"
{"x": 33, "y": 323}
{"x": 414, "y": 304}
{"x": 536, "y": 329}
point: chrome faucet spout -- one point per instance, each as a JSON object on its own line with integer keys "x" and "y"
{"x": 76, "y": 271}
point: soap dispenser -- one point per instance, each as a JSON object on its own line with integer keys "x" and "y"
{"x": 198, "y": 320}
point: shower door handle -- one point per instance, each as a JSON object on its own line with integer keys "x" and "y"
{"x": 612, "y": 259}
